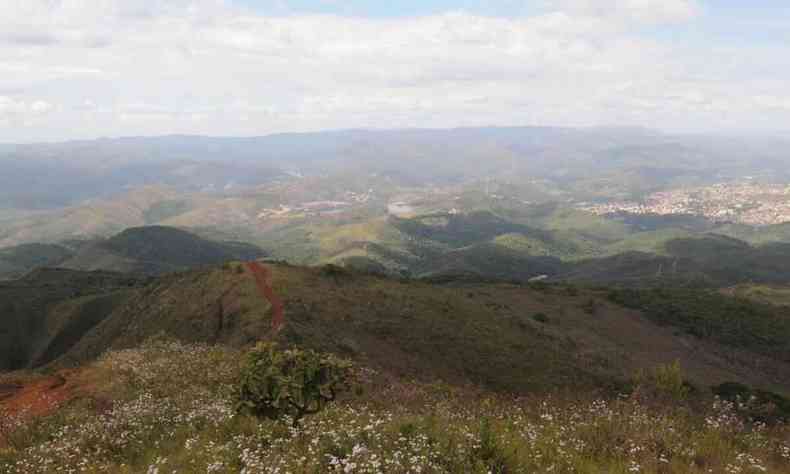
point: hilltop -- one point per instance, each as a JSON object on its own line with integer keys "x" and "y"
{"x": 505, "y": 336}
{"x": 156, "y": 250}
{"x": 144, "y": 369}
{"x": 501, "y": 243}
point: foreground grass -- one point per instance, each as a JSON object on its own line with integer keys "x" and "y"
{"x": 172, "y": 411}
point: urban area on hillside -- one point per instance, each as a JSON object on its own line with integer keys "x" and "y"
{"x": 744, "y": 203}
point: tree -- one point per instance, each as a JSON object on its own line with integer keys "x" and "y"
{"x": 294, "y": 382}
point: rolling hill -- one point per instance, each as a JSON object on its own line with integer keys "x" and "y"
{"x": 461, "y": 331}
{"x": 157, "y": 249}
{"x": 18, "y": 260}
{"x": 48, "y": 310}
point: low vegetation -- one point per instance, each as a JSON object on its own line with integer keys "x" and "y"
{"x": 172, "y": 410}
{"x": 276, "y": 383}
{"x": 710, "y": 315}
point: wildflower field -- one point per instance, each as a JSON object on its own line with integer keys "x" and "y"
{"x": 168, "y": 407}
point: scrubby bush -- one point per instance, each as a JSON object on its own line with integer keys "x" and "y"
{"x": 400, "y": 426}
{"x": 755, "y": 404}
{"x": 663, "y": 382}
{"x": 540, "y": 317}
{"x": 274, "y": 383}
{"x": 334, "y": 271}
{"x": 710, "y": 315}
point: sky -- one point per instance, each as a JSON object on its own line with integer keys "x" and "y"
{"x": 76, "y": 69}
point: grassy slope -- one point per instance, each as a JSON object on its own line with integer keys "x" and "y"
{"x": 649, "y": 241}
{"x": 483, "y": 333}
{"x": 18, "y": 260}
{"x": 563, "y": 219}
{"x": 158, "y": 249}
{"x": 171, "y": 410}
{"x": 93, "y": 219}
{"x": 770, "y": 294}
{"x": 32, "y": 319}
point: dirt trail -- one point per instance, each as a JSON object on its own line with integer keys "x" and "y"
{"x": 38, "y": 398}
{"x": 263, "y": 279}
{"x": 43, "y": 396}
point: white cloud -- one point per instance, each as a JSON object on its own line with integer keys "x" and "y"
{"x": 40, "y": 107}
{"x": 118, "y": 67}
{"x": 15, "y": 112}
{"x": 639, "y": 11}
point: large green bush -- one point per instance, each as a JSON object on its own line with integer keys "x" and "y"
{"x": 275, "y": 383}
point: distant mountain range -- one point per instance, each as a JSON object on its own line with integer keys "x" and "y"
{"x": 446, "y": 264}
{"x": 582, "y": 161}
{"x": 485, "y": 257}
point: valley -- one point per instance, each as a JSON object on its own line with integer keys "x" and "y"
{"x": 644, "y": 284}
{"x": 409, "y": 237}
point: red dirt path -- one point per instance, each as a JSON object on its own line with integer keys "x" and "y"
{"x": 39, "y": 397}
{"x": 44, "y": 396}
{"x": 263, "y": 279}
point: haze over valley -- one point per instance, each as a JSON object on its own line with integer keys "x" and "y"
{"x": 559, "y": 201}
{"x": 253, "y": 236}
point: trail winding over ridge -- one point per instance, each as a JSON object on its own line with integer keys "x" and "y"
{"x": 263, "y": 279}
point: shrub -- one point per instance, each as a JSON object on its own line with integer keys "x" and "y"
{"x": 275, "y": 383}
{"x": 664, "y": 381}
{"x": 540, "y": 317}
{"x": 334, "y": 271}
{"x": 755, "y": 404}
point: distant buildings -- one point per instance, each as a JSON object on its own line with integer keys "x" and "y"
{"x": 745, "y": 203}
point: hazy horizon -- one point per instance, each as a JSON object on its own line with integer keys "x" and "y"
{"x": 724, "y": 133}
{"x": 73, "y": 69}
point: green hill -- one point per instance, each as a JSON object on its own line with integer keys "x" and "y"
{"x": 18, "y": 260}
{"x": 484, "y": 333}
{"x": 158, "y": 249}
{"x": 145, "y": 370}
{"x": 707, "y": 260}
{"x": 49, "y": 310}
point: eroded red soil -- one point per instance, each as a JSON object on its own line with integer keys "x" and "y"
{"x": 39, "y": 397}
{"x": 263, "y": 280}
{"x": 43, "y": 396}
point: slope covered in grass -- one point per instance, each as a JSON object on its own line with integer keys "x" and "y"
{"x": 168, "y": 407}
{"x": 54, "y": 307}
{"x": 158, "y": 249}
{"x": 775, "y": 295}
{"x": 18, "y": 260}
{"x": 484, "y": 333}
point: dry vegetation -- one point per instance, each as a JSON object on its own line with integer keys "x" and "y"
{"x": 171, "y": 410}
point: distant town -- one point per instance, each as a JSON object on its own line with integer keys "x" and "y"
{"x": 316, "y": 208}
{"x": 744, "y": 203}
